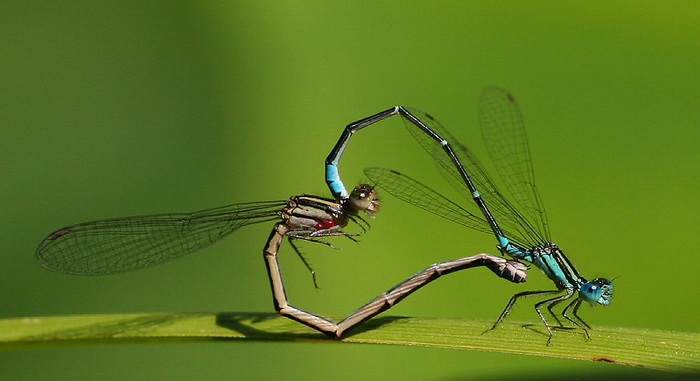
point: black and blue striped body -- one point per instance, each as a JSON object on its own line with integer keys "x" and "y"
{"x": 550, "y": 259}
{"x": 520, "y": 226}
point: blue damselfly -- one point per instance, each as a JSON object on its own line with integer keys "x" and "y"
{"x": 521, "y": 228}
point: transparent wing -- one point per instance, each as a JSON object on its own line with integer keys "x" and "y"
{"x": 514, "y": 225}
{"x": 504, "y": 134}
{"x": 415, "y": 193}
{"x": 124, "y": 244}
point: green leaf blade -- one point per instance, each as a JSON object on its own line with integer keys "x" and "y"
{"x": 653, "y": 349}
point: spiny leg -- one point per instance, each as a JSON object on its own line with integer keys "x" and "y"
{"x": 575, "y": 313}
{"x": 320, "y": 233}
{"x": 312, "y": 236}
{"x": 553, "y": 314}
{"x": 332, "y": 232}
{"x": 302, "y": 235}
{"x": 558, "y": 299}
{"x": 580, "y": 323}
{"x": 361, "y": 222}
{"x": 303, "y": 259}
{"x": 512, "y": 301}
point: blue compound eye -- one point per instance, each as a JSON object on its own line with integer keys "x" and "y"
{"x": 597, "y": 291}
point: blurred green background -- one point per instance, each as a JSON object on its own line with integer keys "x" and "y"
{"x": 119, "y": 108}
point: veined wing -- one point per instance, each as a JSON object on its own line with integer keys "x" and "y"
{"x": 415, "y": 193}
{"x": 511, "y": 221}
{"x": 129, "y": 243}
{"x": 504, "y": 134}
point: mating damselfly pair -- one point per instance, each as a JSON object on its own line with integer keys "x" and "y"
{"x": 521, "y": 228}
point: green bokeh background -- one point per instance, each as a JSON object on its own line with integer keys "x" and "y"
{"x": 120, "y": 108}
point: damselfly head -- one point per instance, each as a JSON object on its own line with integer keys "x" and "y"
{"x": 599, "y": 290}
{"x": 363, "y": 198}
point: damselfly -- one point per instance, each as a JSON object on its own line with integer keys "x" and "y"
{"x": 524, "y": 238}
{"x": 130, "y": 243}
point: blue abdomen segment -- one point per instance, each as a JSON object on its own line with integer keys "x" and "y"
{"x": 334, "y": 183}
{"x": 513, "y": 250}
